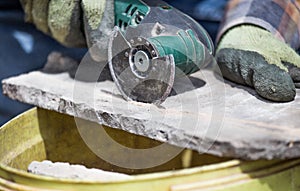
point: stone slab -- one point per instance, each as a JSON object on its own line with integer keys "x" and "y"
{"x": 64, "y": 170}
{"x": 206, "y": 114}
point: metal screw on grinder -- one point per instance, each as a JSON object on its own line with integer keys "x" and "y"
{"x": 140, "y": 57}
{"x": 141, "y": 61}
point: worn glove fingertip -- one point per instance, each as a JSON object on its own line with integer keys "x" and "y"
{"x": 98, "y": 18}
{"x": 65, "y": 24}
{"x": 274, "y": 84}
{"x": 27, "y": 7}
{"x": 40, "y": 15}
{"x": 226, "y": 59}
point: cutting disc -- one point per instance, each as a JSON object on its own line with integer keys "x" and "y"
{"x": 138, "y": 70}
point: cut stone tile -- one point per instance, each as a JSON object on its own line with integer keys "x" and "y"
{"x": 206, "y": 114}
{"x": 64, "y": 170}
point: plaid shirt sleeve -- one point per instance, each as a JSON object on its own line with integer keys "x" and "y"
{"x": 280, "y": 17}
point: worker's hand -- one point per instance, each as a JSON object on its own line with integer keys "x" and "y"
{"x": 71, "y": 22}
{"x": 252, "y": 56}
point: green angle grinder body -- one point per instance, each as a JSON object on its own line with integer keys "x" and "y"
{"x": 151, "y": 45}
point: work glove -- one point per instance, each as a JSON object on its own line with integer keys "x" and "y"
{"x": 73, "y": 23}
{"x": 252, "y": 56}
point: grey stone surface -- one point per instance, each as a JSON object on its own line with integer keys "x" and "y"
{"x": 206, "y": 114}
{"x": 69, "y": 171}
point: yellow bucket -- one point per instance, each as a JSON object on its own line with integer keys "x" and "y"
{"x": 46, "y": 135}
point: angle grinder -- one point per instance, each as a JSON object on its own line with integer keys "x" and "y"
{"x": 152, "y": 44}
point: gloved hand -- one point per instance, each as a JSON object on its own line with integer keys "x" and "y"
{"x": 72, "y": 22}
{"x": 252, "y": 56}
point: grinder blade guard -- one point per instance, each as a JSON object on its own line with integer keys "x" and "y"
{"x": 151, "y": 45}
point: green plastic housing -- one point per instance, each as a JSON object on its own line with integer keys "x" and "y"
{"x": 187, "y": 50}
{"x": 129, "y": 13}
